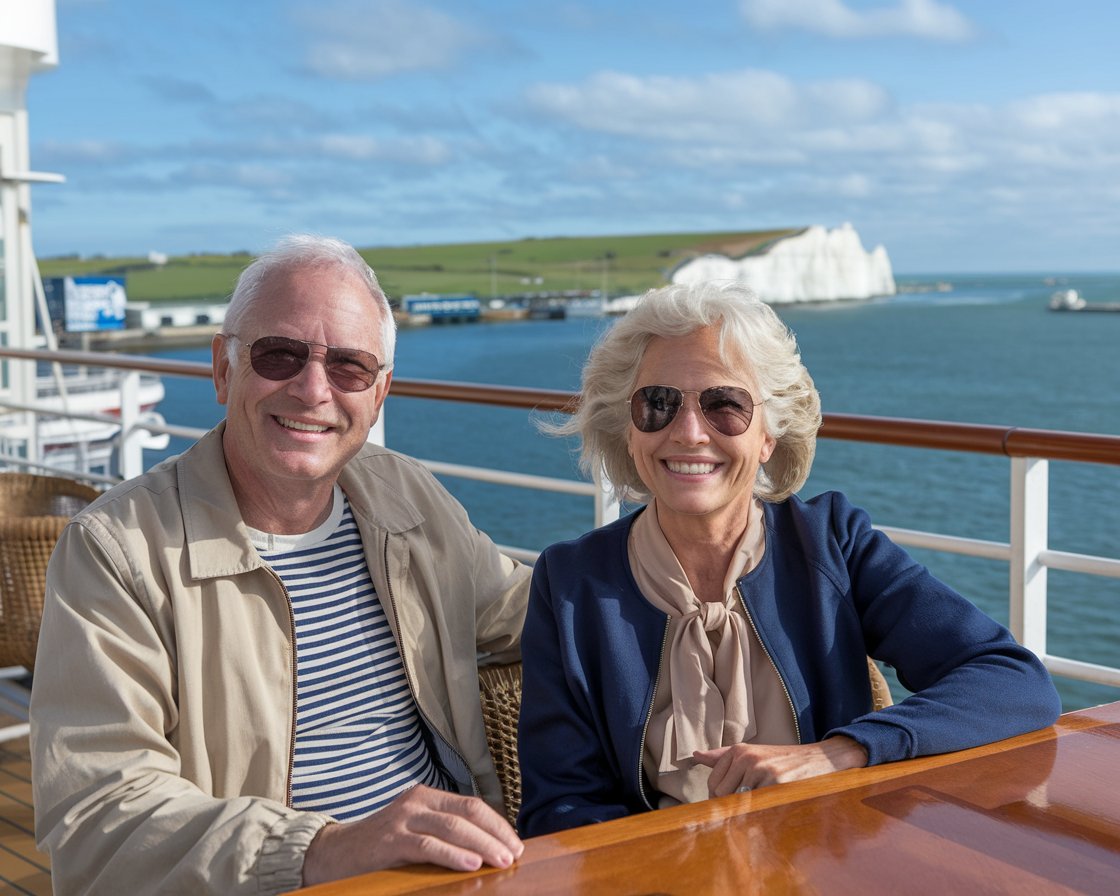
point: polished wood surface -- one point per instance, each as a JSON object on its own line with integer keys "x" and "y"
{"x": 1038, "y": 813}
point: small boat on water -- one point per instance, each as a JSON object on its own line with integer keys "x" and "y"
{"x": 1072, "y": 300}
{"x": 1066, "y": 300}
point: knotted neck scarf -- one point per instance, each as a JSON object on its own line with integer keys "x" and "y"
{"x": 708, "y": 670}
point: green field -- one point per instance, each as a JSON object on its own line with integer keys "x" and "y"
{"x": 623, "y": 264}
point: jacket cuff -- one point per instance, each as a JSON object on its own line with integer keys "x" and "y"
{"x": 280, "y": 864}
{"x": 883, "y": 742}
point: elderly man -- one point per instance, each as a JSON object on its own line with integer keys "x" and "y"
{"x": 259, "y": 658}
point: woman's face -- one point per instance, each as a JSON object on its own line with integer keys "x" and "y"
{"x": 698, "y": 475}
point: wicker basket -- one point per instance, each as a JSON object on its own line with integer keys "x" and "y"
{"x": 33, "y": 512}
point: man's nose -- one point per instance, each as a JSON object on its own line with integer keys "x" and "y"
{"x": 313, "y": 380}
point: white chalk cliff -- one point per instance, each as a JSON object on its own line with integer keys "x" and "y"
{"x": 813, "y": 265}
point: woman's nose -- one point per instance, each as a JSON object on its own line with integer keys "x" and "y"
{"x": 689, "y": 425}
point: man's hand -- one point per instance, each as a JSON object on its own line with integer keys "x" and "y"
{"x": 747, "y": 766}
{"x": 421, "y": 825}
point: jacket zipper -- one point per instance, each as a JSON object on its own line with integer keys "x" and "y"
{"x": 408, "y": 676}
{"x": 295, "y": 686}
{"x": 770, "y": 659}
{"x": 649, "y": 712}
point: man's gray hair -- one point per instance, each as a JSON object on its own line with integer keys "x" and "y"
{"x": 307, "y": 250}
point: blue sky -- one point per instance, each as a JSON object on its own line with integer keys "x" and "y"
{"x": 963, "y": 136}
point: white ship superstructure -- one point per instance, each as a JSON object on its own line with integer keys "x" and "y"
{"x": 29, "y": 45}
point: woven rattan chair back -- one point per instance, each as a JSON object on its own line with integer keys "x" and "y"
{"x": 33, "y": 512}
{"x": 500, "y": 690}
{"x": 880, "y": 690}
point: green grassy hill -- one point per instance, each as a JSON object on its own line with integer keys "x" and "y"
{"x": 623, "y": 264}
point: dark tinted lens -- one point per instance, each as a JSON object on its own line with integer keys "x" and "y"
{"x": 652, "y": 408}
{"x": 351, "y": 370}
{"x": 728, "y": 409}
{"x": 278, "y": 358}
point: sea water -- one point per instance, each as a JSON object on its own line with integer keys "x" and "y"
{"x": 977, "y": 350}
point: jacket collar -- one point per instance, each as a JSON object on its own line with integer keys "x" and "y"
{"x": 218, "y": 541}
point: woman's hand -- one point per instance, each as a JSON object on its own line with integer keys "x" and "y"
{"x": 742, "y": 767}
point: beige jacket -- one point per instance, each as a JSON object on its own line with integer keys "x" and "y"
{"x": 163, "y": 704}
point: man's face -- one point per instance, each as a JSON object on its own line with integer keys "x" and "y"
{"x": 283, "y": 437}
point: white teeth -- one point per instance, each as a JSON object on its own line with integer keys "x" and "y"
{"x": 302, "y": 427}
{"x": 692, "y": 469}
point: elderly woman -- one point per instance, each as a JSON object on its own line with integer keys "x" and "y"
{"x": 717, "y": 639}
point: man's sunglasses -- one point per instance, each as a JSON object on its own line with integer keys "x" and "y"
{"x": 728, "y": 409}
{"x": 280, "y": 358}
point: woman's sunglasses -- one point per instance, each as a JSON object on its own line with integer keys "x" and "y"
{"x": 280, "y": 358}
{"x": 728, "y": 409}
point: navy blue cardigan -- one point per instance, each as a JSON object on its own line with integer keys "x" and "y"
{"x": 830, "y": 591}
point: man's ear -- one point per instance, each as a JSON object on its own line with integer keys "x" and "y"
{"x": 381, "y": 392}
{"x": 219, "y": 361}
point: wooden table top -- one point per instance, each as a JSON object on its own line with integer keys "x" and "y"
{"x": 1038, "y": 813}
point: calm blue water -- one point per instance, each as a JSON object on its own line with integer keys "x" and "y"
{"x": 985, "y": 351}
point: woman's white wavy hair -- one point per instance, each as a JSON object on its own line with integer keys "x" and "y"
{"x": 753, "y": 341}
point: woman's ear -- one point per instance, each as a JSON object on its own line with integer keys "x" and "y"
{"x": 768, "y": 445}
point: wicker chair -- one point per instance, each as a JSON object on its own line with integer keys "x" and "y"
{"x": 33, "y": 511}
{"x": 880, "y": 690}
{"x": 500, "y": 689}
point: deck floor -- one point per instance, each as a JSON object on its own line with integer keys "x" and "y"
{"x": 23, "y": 869}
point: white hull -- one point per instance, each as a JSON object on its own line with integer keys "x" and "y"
{"x": 72, "y": 444}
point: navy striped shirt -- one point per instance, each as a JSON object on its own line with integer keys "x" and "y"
{"x": 359, "y": 742}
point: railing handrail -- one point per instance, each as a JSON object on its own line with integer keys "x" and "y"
{"x": 104, "y": 359}
{"x": 1007, "y": 441}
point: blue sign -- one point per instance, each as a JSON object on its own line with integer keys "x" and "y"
{"x": 83, "y": 304}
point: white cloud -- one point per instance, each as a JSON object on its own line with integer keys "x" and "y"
{"x": 854, "y": 186}
{"x": 926, "y": 19}
{"x": 602, "y": 167}
{"x": 712, "y": 107}
{"x": 253, "y": 177}
{"x": 761, "y": 117}
{"x": 426, "y": 151}
{"x": 362, "y": 41}
{"x": 1070, "y": 114}
{"x": 86, "y": 151}
{"x": 770, "y": 142}
{"x": 261, "y": 111}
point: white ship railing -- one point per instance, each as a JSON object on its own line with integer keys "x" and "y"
{"x": 1030, "y": 451}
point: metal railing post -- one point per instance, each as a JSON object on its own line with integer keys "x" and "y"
{"x": 1029, "y": 533}
{"x": 607, "y": 507}
{"x": 131, "y": 460}
{"x": 377, "y": 431}
{"x": 33, "y": 453}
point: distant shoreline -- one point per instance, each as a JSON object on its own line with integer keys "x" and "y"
{"x": 164, "y": 337}
{"x": 137, "y": 338}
